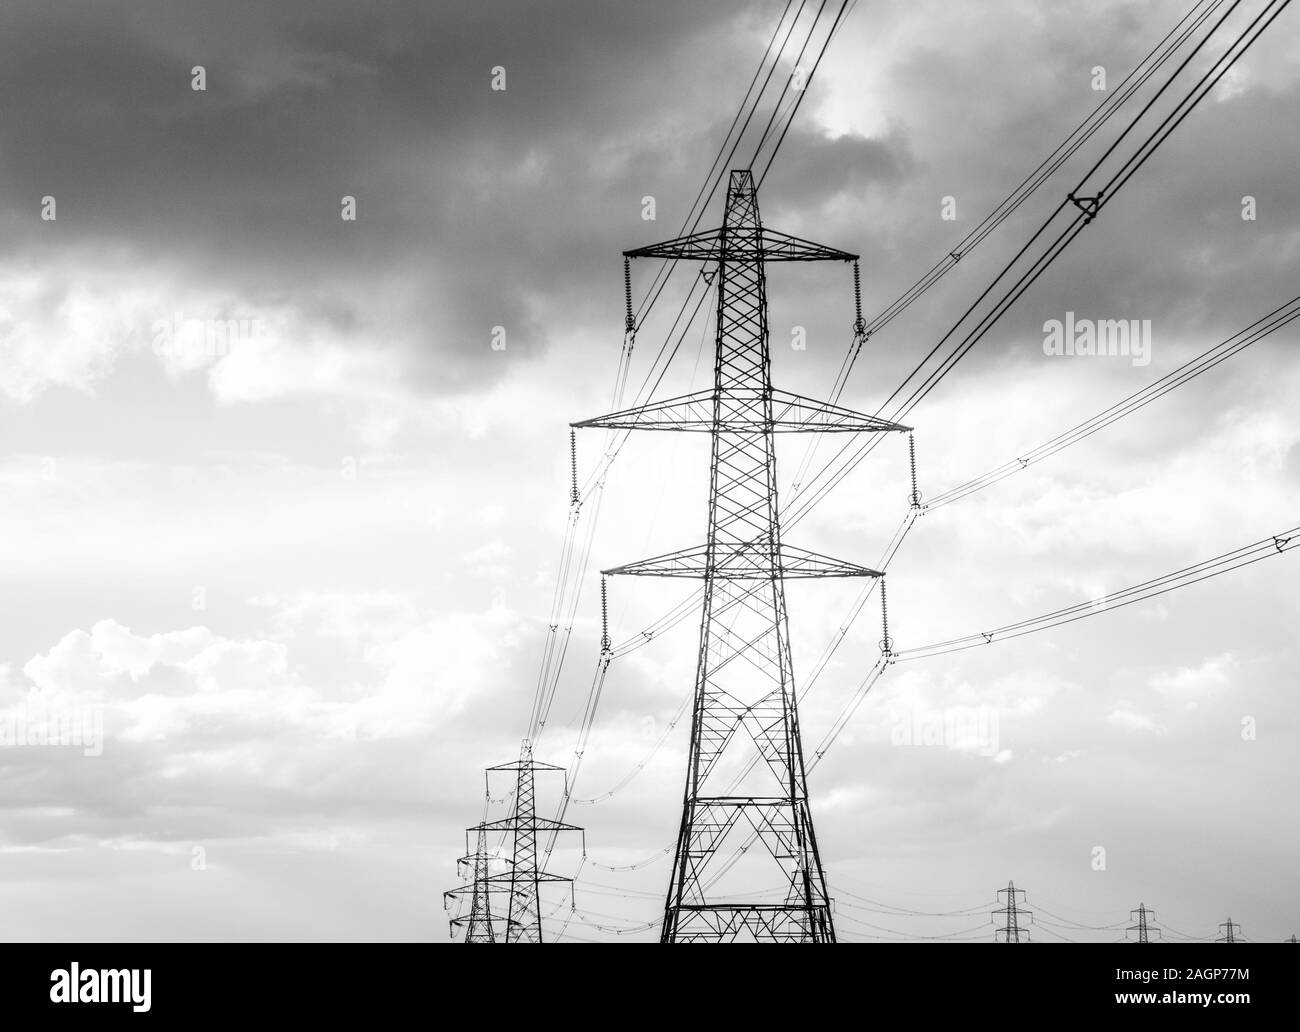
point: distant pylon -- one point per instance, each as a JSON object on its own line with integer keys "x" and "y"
{"x": 1292, "y": 939}
{"x": 1231, "y": 931}
{"x": 523, "y": 879}
{"x": 1144, "y": 925}
{"x": 478, "y": 925}
{"x": 745, "y": 773}
{"x": 1014, "y": 914}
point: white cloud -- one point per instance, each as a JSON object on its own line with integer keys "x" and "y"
{"x": 1191, "y": 685}
{"x": 1126, "y": 717}
{"x": 58, "y": 335}
{"x": 205, "y": 699}
{"x": 357, "y": 618}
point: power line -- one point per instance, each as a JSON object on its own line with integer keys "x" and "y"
{"x": 1111, "y": 104}
{"x": 1281, "y": 316}
{"x": 1088, "y": 207}
{"x": 1231, "y": 932}
{"x": 1143, "y": 923}
{"x": 1014, "y": 915}
{"x": 1177, "y": 378}
{"x": 567, "y": 595}
{"x": 543, "y": 707}
{"x": 1188, "y": 371}
{"x": 1088, "y": 203}
{"x": 1247, "y": 555}
{"x": 743, "y": 687}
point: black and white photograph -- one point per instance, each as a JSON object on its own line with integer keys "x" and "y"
{"x": 599, "y": 471}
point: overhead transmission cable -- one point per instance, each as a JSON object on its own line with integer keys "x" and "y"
{"x": 556, "y": 651}
{"x": 1088, "y": 205}
{"x": 1155, "y": 59}
{"x": 1105, "y": 110}
{"x": 568, "y": 587}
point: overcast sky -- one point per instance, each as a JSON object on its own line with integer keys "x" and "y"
{"x": 304, "y": 580}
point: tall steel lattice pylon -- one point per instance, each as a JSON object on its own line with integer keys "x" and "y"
{"x": 746, "y": 774}
{"x": 478, "y": 922}
{"x": 523, "y": 878}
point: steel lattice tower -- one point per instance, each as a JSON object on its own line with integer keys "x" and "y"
{"x": 524, "y": 878}
{"x": 478, "y": 925}
{"x": 746, "y": 771}
{"x": 1145, "y": 923}
{"x": 1011, "y": 930}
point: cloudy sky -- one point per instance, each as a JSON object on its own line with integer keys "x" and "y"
{"x": 303, "y": 575}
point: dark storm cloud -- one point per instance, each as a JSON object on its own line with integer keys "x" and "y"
{"x": 480, "y": 208}
{"x": 974, "y": 120}
{"x": 472, "y": 201}
{"x": 816, "y": 168}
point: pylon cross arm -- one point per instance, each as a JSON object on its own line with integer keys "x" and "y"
{"x": 740, "y": 411}
{"x": 743, "y": 562}
{"x": 515, "y": 765}
{"x": 545, "y": 877}
{"x": 534, "y": 824}
{"x": 748, "y": 245}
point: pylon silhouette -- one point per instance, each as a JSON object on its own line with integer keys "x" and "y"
{"x": 523, "y": 878}
{"x": 478, "y": 923}
{"x": 746, "y": 769}
{"x": 1143, "y": 925}
{"x": 1014, "y": 915}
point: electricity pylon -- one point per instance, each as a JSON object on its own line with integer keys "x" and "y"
{"x": 1144, "y": 923}
{"x": 1231, "y": 931}
{"x": 1011, "y": 930}
{"x": 744, "y": 702}
{"x": 478, "y": 925}
{"x": 524, "y": 878}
